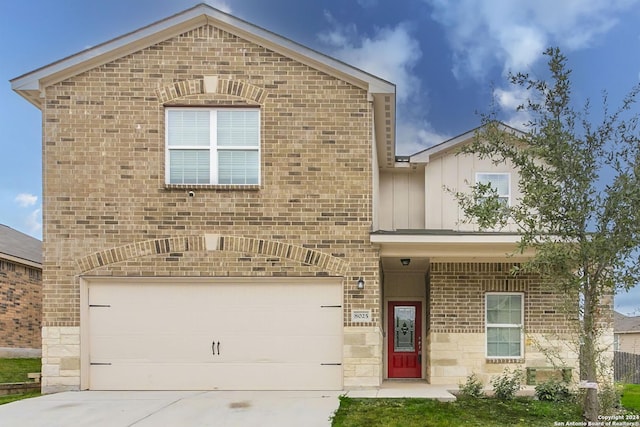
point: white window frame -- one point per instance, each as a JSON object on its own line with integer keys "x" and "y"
{"x": 503, "y": 325}
{"x": 213, "y": 146}
{"x": 501, "y": 196}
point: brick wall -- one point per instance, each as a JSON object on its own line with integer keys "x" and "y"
{"x": 20, "y": 305}
{"x": 458, "y": 298}
{"x": 104, "y": 188}
{"x": 457, "y": 340}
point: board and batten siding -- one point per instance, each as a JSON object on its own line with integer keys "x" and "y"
{"x": 421, "y": 198}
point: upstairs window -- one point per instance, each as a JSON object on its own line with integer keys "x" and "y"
{"x": 503, "y": 322}
{"x": 501, "y": 182}
{"x": 218, "y": 146}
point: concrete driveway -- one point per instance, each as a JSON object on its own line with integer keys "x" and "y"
{"x": 173, "y": 408}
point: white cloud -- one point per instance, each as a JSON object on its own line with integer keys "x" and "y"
{"x": 512, "y": 34}
{"x": 33, "y": 222}
{"x": 508, "y": 101}
{"x": 25, "y": 200}
{"x": 416, "y": 135}
{"x": 391, "y": 53}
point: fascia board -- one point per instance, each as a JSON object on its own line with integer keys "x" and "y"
{"x": 425, "y": 155}
{"x": 444, "y": 239}
{"x": 178, "y": 24}
{"x": 22, "y": 261}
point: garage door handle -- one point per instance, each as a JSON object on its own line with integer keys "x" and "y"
{"x": 215, "y": 347}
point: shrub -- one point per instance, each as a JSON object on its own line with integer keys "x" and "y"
{"x": 507, "y": 384}
{"x": 553, "y": 391}
{"x": 609, "y": 398}
{"x": 473, "y": 387}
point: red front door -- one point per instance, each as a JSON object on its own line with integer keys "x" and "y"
{"x": 405, "y": 339}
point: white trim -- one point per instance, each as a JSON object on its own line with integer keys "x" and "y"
{"x": 18, "y": 260}
{"x": 128, "y": 280}
{"x": 508, "y": 174}
{"x": 424, "y": 156}
{"x": 179, "y": 23}
{"x": 504, "y": 325}
{"x": 213, "y": 144}
{"x": 445, "y": 238}
{"x": 385, "y": 329}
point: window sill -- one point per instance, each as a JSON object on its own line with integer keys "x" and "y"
{"x": 500, "y": 360}
{"x": 217, "y": 187}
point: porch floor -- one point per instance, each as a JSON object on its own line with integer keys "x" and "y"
{"x": 407, "y": 388}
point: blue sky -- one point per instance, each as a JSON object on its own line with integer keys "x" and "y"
{"x": 447, "y": 57}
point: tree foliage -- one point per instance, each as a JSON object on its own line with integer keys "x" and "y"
{"x": 579, "y": 210}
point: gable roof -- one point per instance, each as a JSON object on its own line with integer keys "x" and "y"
{"x": 19, "y": 247}
{"x": 455, "y": 142}
{"x": 625, "y": 324}
{"x": 381, "y": 92}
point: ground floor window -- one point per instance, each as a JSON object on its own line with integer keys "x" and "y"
{"x": 503, "y": 321}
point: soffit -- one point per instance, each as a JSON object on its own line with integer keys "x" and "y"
{"x": 444, "y": 245}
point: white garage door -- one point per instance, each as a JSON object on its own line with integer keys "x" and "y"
{"x": 229, "y": 335}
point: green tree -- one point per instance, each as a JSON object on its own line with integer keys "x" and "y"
{"x": 580, "y": 204}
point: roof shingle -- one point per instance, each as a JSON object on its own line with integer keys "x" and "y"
{"x": 19, "y": 245}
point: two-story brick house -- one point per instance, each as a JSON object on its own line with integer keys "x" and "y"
{"x": 223, "y": 209}
{"x": 20, "y": 293}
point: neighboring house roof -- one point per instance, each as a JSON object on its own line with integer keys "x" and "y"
{"x": 455, "y": 142}
{"x": 625, "y": 324}
{"x": 381, "y": 92}
{"x": 19, "y": 247}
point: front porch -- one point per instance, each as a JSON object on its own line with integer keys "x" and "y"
{"x": 445, "y": 339}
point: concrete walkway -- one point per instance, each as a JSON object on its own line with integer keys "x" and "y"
{"x": 400, "y": 389}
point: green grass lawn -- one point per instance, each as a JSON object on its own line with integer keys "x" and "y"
{"x": 463, "y": 412}
{"x": 13, "y": 397}
{"x": 631, "y": 397}
{"x": 16, "y": 370}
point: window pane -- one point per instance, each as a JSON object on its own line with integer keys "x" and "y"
{"x": 238, "y": 128}
{"x": 499, "y": 181}
{"x": 492, "y": 350}
{"x": 238, "y": 167}
{"x": 188, "y": 128}
{"x": 504, "y": 309}
{"x": 503, "y": 342}
{"x": 515, "y": 310}
{"x": 404, "y": 329}
{"x": 189, "y": 167}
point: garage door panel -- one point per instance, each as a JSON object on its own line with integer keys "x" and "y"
{"x": 191, "y": 377}
{"x": 293, "y": 322}
{"x": 312, "y": 321}
{"x": 198, "y": 349}
{"x": 279, "y": 349}
{"x": 271, "y": 335}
